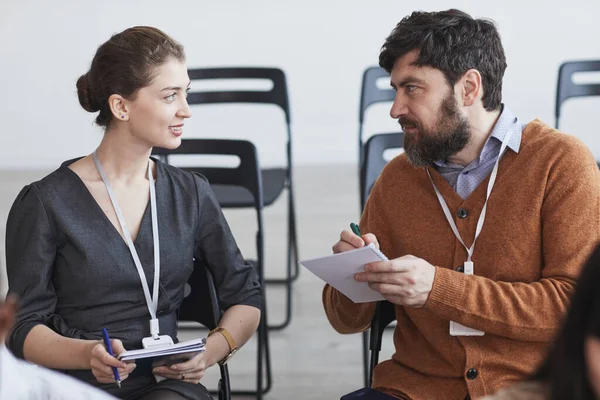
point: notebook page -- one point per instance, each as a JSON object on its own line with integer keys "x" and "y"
{"x": 338, "y": 270}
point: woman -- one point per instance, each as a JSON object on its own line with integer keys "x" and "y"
{"x": 572, "y": 368}
{"x": 81, "y": 242}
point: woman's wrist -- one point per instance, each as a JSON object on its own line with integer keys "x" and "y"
{"x": 86, "y": 352}
{"x": 217, "y": 349}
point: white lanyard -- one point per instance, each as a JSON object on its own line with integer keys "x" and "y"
{"x": 152, "y": 302}
{"x": 469, "y": 269}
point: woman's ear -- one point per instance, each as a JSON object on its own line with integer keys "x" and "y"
{"x": 119, "y": 107}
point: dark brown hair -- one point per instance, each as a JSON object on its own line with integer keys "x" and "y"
{"x": 453, "y": 42}
{"x": 123, "y": 65}
{"x": 565, "y": 370}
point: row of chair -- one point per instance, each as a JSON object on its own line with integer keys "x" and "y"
{"x": 249, "y": 186}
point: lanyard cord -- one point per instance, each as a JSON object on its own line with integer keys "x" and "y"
{"x": 151, "y": 302}
{"x": 484, "y": 210}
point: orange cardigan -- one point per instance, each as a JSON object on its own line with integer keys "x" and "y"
{"x": 543, "y": 219}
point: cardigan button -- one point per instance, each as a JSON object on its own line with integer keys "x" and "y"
{"x": 462, "y": 213}
{"x": 472, "y": 374}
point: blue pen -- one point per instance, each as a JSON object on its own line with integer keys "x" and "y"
{"x": 110, "y": 351}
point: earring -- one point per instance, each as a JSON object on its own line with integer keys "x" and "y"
{"x": 122, "y": 116}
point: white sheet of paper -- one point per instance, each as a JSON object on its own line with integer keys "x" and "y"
{"x": 338, "y": 270}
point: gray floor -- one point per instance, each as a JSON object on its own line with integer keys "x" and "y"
{"x": 310, "y": 360}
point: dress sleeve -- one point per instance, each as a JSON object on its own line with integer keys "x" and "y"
{"x": 236, "y": 280}
{"x": 30, "y": 254}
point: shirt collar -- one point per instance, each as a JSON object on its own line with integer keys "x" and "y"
{"x": 505, "y": 123}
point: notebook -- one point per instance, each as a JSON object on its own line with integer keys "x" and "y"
{"x": 167, "y": 354}
{"x": 338, "y": 270}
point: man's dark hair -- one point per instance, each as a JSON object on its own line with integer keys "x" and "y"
{"x": 453, "y": 42}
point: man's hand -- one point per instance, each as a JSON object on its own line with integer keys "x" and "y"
{"x": 349, "y": 241}
{"x": 405, "y": 281}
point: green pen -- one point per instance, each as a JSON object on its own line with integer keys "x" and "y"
{"x": 355, "y": 229}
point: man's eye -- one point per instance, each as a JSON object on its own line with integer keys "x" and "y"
{"x": 410, "y": 88}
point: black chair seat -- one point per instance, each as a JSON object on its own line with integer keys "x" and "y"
{"x": 273, "y": 181}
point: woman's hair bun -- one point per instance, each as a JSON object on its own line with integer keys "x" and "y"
{"x": 85, "y": 94}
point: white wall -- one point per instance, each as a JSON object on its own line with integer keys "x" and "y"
{"x": 323, "y": 46}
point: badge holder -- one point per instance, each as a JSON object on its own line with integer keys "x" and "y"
{"x": 156, "y": 339}
{"x": 457, "y": 329}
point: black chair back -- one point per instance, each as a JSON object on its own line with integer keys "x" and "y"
{"x": 277, "y": 95}
{"x": 246, "y": 174}
{"x": 567, "y": 88}
{"x": 371, "y": 94}
{"x": 374, "y": 161}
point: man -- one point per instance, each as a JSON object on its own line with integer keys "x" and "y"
{"x": 476, "y": 317}
{"x": 21, "y": 380}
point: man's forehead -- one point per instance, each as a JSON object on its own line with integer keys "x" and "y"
{"x": 405, "y": 67}
{"x": 401, "y": 71}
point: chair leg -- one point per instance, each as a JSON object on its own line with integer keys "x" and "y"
{"x": 292, "y": 263}
{"x": 365, "y": 357}
{"x": 259, "y": 358}
{"x": 293, "y": 234}
{"x": 263, "y": 356}
{"x": 267, "y": 354}
{"x": 224, "y": 384}
{"x": 220, "y": 389}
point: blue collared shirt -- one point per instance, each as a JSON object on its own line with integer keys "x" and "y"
{"x": 465, "y": 179}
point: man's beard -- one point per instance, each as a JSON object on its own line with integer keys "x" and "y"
{"x": 451, "y": 134}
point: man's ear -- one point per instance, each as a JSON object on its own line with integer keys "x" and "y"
{"x": 471, "y": 88}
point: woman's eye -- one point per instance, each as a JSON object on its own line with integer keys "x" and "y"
{"x": 170, "y": 97}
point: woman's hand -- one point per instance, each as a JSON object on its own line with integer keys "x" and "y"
{"x": 190, "y": 371}
{"x": 101, "y": 362}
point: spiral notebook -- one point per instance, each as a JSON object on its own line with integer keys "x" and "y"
{"x": 338, "y": 270}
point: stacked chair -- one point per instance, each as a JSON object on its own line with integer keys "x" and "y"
{"x": 248, "y": 186}
{"x": 370, "y": 167}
